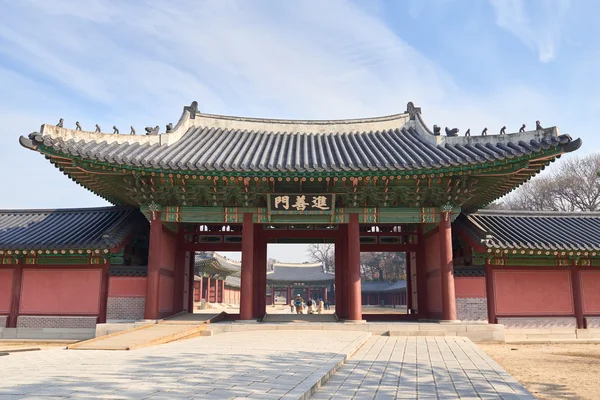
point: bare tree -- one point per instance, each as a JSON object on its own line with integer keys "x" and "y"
{"x": 324, "y": 253}
{"x": 573, "y": 186}
{"x": 384, "y": 266}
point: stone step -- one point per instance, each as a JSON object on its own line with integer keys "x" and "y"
{"x": 152, "y": 334}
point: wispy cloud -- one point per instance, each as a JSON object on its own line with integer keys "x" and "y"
{"x": 538, "y": 24}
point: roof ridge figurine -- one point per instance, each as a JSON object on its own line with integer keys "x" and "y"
{"x": 115, "y": 130}
{"x": 60, "y": 123}
{"x": 484, "y": 132}
{"x": 77, "y": 126}
{"x": 132, "y": 132}
{"x": 503, "y": 130}
{"x": 98, "y": 130}
{"x": 538, "y": 126}
{"x": 468, "y": 132}
{"x": 451, "y": 132}
{"x": 522, "y": 128}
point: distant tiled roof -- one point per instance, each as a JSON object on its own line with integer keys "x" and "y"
{"x": 79, "y": 228}
{"x": 382, "y": 286}
{"x": 543, "y": 231}
{"x": 233, "y": 281}
{"x": 205, "y": 142}
{"x": 217, "y": 264}
{"x": 299, "y": 273}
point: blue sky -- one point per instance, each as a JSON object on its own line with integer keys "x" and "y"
{"x": 468, "y": 64}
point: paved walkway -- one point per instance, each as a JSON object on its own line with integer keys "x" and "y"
{"x": 265, "y": 365}
{"x": 421, "y": 368}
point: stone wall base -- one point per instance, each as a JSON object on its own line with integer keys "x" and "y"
{"x": 3, "y": 321}
{"x": 592, "y": 322}
{"x": 538, "y": 322}
{"x": 51, "y": 321}
{"x": 471, "y": 309}
{"x": 125, "y": 308}
{"x": 47, "y": 333}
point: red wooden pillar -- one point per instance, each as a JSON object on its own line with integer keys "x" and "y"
{"x": 353, "y": 285}
{"x": 190, "y": 299}
{"x": 421, "y": 272}
{"x": 325, "y": 294}
{"x": 208, "y": 289}
{"x": 179, "y": 274}
{"x": 247, "y": 274}
{"x": 409, "y": 267}
{"x": 577, "y": 298}
{"x": 272, "y": 295}
{"x": 200, "y": 289}
{"x": 154, "y": 257}
{"x": 260, "y": 273}
{"x": 223, "y": 290}
{"x": 104, "y": 293}
{"x": 490, "y": 293}
{"x": 447, "y": 268}
{"x": 340, "y": 271}
{"x": 15, "y": 303}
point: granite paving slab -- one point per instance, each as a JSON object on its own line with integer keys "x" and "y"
{"x": 421, "y": 368}
{"x": 254, "y": 364}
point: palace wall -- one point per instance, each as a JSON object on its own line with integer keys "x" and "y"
{"x": 126, "y": 298}
{"x": 6, "y": 277}
{"x": 434, "y": 277}
{"x": 534, "y": 298}
{"x": 471, "y": 298}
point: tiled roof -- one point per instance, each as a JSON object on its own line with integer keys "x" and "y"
{"x": 204, "y": 142}
{"x": 217, "y": 264}
{"x": 382, "y": 286}
{"x": 233, "y": 281}
{"x": 79, "y": 228}
{"x": 578, "y": 231}
{"x": 299, "y": 273}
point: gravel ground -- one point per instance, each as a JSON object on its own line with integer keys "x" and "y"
{"x": 9, "y": 345}
{"x": 551, "y": 371}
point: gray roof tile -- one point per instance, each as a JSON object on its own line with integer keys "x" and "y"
{"x": 299, "y": 273}
{"x": 531, "y": 230}
{"x": 203, "y": 142}
{"x": 80, "y": 228}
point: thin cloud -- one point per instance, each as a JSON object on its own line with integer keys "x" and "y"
{"x": 538, "y": 24}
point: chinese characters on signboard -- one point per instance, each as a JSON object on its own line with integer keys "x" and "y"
{"x": 301, "y": 203}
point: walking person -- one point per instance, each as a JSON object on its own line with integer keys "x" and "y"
{"x": 298, "y": 303}
{"x": 309, "y": 306}
{"x": 320, "y": 306}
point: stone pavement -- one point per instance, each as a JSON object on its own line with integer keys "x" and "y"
{"x": 421, "y": 368}
{"x": 265, "y": 365}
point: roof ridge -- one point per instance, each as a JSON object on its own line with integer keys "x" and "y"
{"x": 535, "y": 213}
{"x": 63, "y": 210}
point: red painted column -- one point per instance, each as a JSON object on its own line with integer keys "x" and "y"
{"x": 409, "y": 268}
{"x": 447, "y": 269}
{"x": 272, "y": 295}
{"x": 490, "y": 293}
{"x": 154, "y": 257}
{"x": 190, "y": 299}
{"x": 340, "y": 270}
{"x": 247, "y": 274}
{"x": 422, "y": 309}
{"x": 208, "y": 289}
{"x": 223, "y": 290}
{"x": 104, "y": 293}
{"x": 15, "y": 303}
{"x": 260, "y": 274}
{"x": 325, "y": 294}
{"x": 179, "y": 274}
{"x": 200, "y": 289}
{"x": 577, "y": 298}
{"x": 353, "y": 286}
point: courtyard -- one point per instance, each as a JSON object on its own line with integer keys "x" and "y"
{"x": 285, "y": 364}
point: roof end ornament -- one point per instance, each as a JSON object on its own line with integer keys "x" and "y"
{"x": 193, "y": 109}
{"x": 411, "y": 110}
